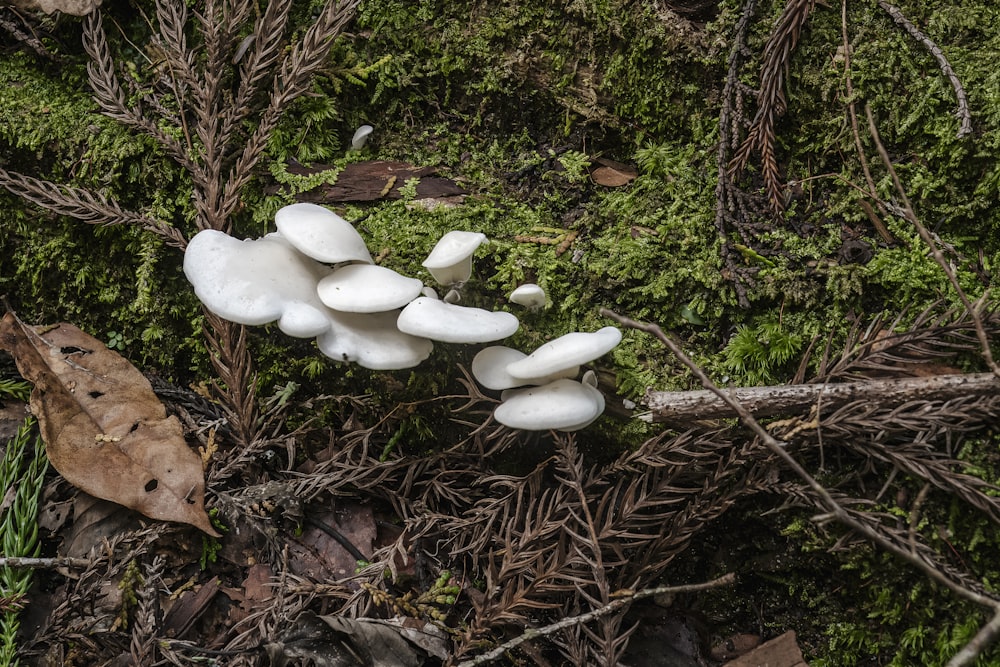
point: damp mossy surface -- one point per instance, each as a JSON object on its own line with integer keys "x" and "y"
{"x": 515, "y": 101}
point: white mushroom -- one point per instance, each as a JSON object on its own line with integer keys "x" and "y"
{"x": 366, "y": 288}
{"x": 373, "y": 341}
{"x": 450, "y": 262}
{"x": 563, "y": 405}
{"x": 320, "y": 233}
{"x": 446, "y": 322}
{"x": 360, "y": 137}
{"x": 572, "y": 349}
{"x": 528, "y": 295}
{"x": 489, "y": 367}
{"x": 257, "y": 281}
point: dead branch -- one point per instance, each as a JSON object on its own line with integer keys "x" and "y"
{"x": 89, "y": 207}
{"x": 728, "y": 203}
{"x": 669, "y": 406}
{"x": 44, "y": 563}
{"x": 622, "y": 598}
{"x": 771, "y": 102}
{"x": 964, "y": 117}
{"x": 910, "y": 214}
{"x": 836, "y": 510}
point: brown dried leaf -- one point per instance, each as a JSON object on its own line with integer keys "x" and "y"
{"x": 613, "y": 174}
{"x": 104, "y": 429}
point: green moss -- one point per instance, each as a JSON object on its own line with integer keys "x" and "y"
{"x": 513, "y": 100}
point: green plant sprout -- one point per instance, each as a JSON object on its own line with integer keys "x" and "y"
{"x": 755, "y": 355}
{"x": 211, "y": 546}
{"x": 20, "y": 477}
{"x": 19, "y": 390}
{"x": 116, "y": 341}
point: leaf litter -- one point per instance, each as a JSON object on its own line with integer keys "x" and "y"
{"x": 105, "y": 431}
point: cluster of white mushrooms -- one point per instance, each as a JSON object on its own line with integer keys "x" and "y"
{"x": 373, "y": 316}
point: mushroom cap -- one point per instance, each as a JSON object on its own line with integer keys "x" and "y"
{"x": 446, "y": 322}
{"x": 373, "y": 341}
{"x": 360, "y": 137}
{"x": 320, "y": 233}
{"x": 528, "y": 295}
{"x": 569, "y": 350}
{"x": 450, "y": 261}
{"x": 562, "y": 405}
{"x": 257, "y": 281}
{"x": 367, "y": 288}
{"x": 489, "y": 367}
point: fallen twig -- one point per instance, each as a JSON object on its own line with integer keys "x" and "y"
{"x": 622, "y": 598}
{"x": 825, "y": 498}
{"x": 964, "y": 117}
{"x": 44, "y": 563}
{"x": 910, "y": 215}
{"x": 668, "y": 406}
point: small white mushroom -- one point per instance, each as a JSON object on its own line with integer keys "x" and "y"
{"x": 257, "y": 281}
{"x": 528, "y": 295}
{"x": 373, "y": 341}
{"x": 489, "y": 367}
{"x": 446, "y": 322}
{"x": 320, "y": 233}
{"x": 450, "y": 262}
{"x": 563, "y": 405}
{"x": 360, "y": 137}
{"x": 366, "y": 288}
{"x": 573, "y": 349}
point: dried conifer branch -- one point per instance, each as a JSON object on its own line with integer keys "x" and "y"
{"x": 727, "y": 198}
{"x": 172, "y": 41}
{"x": 297, "y": 70}
{"x": 910, "y": 214}
{"x": 622, "y": 598}
{"x": 934, "y": 336}
{"x": 771, "y": 103}
{"x": 964, "y": 117}
{"x": 260, "y": 59}
{"x": 835, "y": 509}
{"x": 142, "y": 647}
{"x": 89, "y": 207}
{"x": 111, "y": 96}
{"x": 227, "y": 343}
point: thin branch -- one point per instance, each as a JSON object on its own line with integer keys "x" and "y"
{"x": 853, "y": 116}
{"x": 762, "y": 401}
{"x": 44, "y": 563}
{"x": 964, "y": 117}
{"x": 911, "y": 216}
{"x": 835, "y": 509}
{"x": 111, "y": 97}
{"x": 622, "y": 598}
{"x": 86, "y": 206}
{"x": 970, "y": 652}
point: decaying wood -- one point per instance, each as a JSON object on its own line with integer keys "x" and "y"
{"x": 782, "y": 651}
{"x": 669, "y": 406}
{"x": 377, "y": 179}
